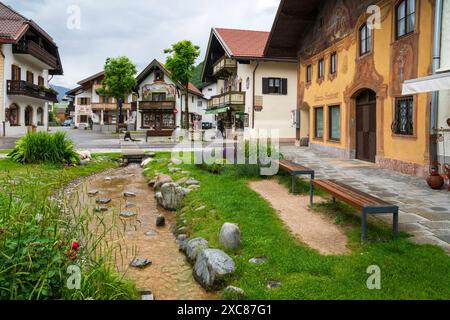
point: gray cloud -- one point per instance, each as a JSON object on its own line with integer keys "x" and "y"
{"x": 139, "y": 29}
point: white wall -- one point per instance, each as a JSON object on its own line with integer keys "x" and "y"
{"x": 209, "y": 91}
{"x": 444, "y": 96}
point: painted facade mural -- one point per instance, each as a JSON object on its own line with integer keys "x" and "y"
{"x": 338, "y": 19}
{"x": 156, "y": 91}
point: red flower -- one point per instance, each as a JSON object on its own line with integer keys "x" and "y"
{"x": 75, "y": 245}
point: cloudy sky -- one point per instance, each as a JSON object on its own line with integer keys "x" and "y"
{"x": 139, "y": 29}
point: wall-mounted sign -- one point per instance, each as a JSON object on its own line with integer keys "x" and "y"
{"x": 258, "y": 108}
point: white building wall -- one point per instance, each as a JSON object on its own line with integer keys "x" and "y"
{"x": 22, "y": 101}
{"x": 444, "y": 96}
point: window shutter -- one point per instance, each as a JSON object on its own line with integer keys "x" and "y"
{"x": 284, "y": 86}
{"x": 265, "y": 85}
{"x": 78, "y": 101}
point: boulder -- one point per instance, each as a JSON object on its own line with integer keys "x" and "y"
{"x": 160, "y": 221}
{"x": 173, "y": 170}
{"x": 211, "y": 266}
{"x": 192, "y": 182}
{"x": 162, "y": 179}
{"x": 230, "y": 236}
{"x": 140, "y": 263}
{"x": 194, "y": 247}
{"x": 182, "y": 241}
{"x": 85, "y": 155}
{"x": 258, "y": 260}
{"x": 151, "y": 183}
{"x": 233, "y": 294}
{"x": 92, "y": 193}
{"x": 171, "y": 196}
{"x": 176, "y": 161}
{"x": 128, "y": 214}
{"x": 129, "y": 194}
{"x": 151, "y": 233}
{"x": 103, "y": 200}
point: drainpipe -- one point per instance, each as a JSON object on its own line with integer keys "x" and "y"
{"x": 253, "y": 95}
{"x": 436, "y": 66}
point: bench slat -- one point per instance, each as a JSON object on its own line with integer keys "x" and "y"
{"x": 290, "y": 166}
{"x": 349, "y": 195}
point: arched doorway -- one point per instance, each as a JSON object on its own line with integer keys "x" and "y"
{"x": 40, "y": 116}
{"x": 28, "y": 116}
{"x": 366, "y": 125}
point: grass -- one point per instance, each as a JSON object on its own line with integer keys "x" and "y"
{"x": 34, "y": 251}
{"x": 5, "y": 151}
{"x": 408, "y": 271}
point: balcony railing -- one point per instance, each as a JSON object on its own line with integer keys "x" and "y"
{"x": 228, "y": 99}
{"x": 32, "y": 48}
{"x": 156, "y": 105}
{"x": 224, "y": 67}
{"x": 109, "y": 106}
{"x": 23, "y": 88}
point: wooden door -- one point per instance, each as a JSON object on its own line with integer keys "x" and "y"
{"x": 366, "y": 123}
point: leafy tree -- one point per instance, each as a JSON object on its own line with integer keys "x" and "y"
{"x": 197, "y": 75}
{"x": 119, "y": 80}
{"x": 181, "y": 64}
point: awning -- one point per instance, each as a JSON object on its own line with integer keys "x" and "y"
{"x": 437, "y": 82}
{"x": 217, "y": 111}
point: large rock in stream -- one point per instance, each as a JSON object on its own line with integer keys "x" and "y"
{"x": 161, "y": 180}
{"x": 171, "y": 196}
{"x": 212, "y": 265}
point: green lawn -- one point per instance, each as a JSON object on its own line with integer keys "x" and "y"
{"x": 33, "y": 251}
{"x": 5, "y": 151}
{"x": 408, "y": 271}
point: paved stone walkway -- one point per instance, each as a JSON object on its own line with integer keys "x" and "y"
{"x": 424, "y": 213}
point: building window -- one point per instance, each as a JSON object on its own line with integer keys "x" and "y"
{"x": 334, "y": 116}
{"x": 40, "y": 116}
{"x": 104, "y": 99}
{"x": 199, "y": 103}
{"x": 30, "y": 77}
{"x": 83, "y": 119}
{"x": 192, "y": 98}
{"x": 15, "y": 73}
{"x": 13, "y": 115}
{"x": 159, "y": 75}
{"x": 274, "y": 86}
{"x": 84, "y": 101}
{"x": 318, "y": 122}
{"x": 156, "y": 96}
{"x": 321, "y": 68}
{"x": 365, "y": 40}
{"x": 41, "y": 81}
{"x": 404, "y": 116}
{"x": 168, "y": 120}
{"x": 406, "y": 16}
{"x": 309, "y": 73}
{"x": 333, "y": 63}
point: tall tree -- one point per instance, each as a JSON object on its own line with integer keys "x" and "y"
{"x": 119, "y": 81}
{"x": 181, "y": 64}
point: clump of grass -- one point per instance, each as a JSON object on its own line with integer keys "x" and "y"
{"x": 44, "y": 147}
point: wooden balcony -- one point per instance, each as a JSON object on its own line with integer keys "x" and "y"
{"x": 23, "y": 88}
{"x": 32, "y": 48}
{"x": 156, "y": 105}
{"x": 224, "y": 68}
{"x": 228, "y": 99}
{"x": 109, "y": 106}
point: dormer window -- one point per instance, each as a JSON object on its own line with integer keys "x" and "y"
{"x": 159, "y": 75}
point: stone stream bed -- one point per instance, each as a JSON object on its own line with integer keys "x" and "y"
{"x": 135, "y": 237}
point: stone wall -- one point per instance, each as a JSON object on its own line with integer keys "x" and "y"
{"x": 402, "y": 166}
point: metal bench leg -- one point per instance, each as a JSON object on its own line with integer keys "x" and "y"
{"x": 364, "y": 226}
{"x": 311, "y": 191}
{"x": 395, "y": 225}
{"x": 294, "y": 177}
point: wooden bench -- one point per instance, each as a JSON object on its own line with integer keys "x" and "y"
{"x": 297, "y": 170}
{"x": 366, "y": 203}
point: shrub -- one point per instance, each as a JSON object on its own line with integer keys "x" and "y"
{"x": 43, "y": 147}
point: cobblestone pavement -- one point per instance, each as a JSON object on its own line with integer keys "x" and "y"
{"x": 424, "y": 213}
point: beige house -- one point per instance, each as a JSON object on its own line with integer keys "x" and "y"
{"x": 253, "y": 90}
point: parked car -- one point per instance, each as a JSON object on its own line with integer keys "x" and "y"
{"x": 67, "y": 123}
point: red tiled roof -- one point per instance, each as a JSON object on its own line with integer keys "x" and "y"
{"x": 243, "y": 43}
{"x": 13, "y": 25}
{"x": 194, "y": 89}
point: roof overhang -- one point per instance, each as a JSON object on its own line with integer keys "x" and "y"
{"x": 437, "y": 82}
{"x": 291, "y": 21}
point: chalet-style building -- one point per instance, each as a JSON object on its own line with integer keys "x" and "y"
{"x": 254, "y": 90}
{"x": 97, "y": 111}
{"x": 161, "y": 102}
{"x": 28, "y": 57}
{"x": 350, "y": 77}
